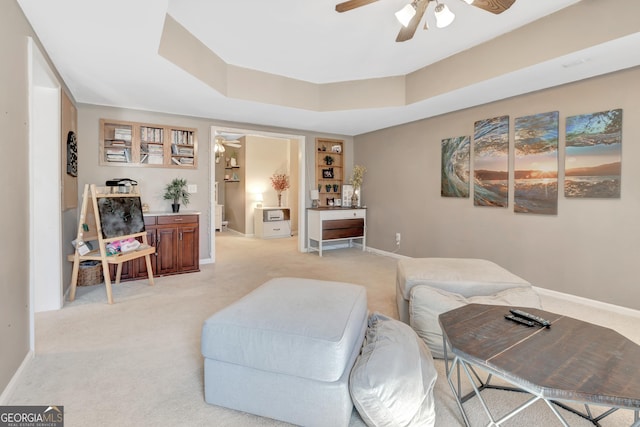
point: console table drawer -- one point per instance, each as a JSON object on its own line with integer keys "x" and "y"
{"x": 343, "y": 214}
{"x": 342, "y": 228}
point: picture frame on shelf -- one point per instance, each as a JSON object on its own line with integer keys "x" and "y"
{"x": 347, "y": 192}
{"x": 327, "y": 173}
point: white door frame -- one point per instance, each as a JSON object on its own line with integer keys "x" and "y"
{"x": 302, "y": 184}
{"x": 45, "y": 226}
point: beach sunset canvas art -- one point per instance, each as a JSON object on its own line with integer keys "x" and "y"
{"x": 454, "y": 181}
{"x": 593, "y": 155}
{"x": 491, "y": 162}
{"x": 536, "y": 164}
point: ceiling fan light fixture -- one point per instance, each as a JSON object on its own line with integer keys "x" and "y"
{"x": 405, "y": 14}
{"x": 444, "y": 16}
{"x": 218, "y": 148}
{"x": 468, "y": 1}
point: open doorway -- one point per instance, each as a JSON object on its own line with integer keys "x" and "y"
{"x": 251, "y": 190}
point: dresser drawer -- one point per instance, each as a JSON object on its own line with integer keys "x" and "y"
{"x": 177, "y": 219}
{"x": 149, "y": 220}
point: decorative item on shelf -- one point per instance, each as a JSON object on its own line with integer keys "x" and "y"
{"x": 233, "y": 161}
{"x": 280, "y": 183}
{"x": 319, "y": 187}
{"x": 330, "y": 201}
{"x": 328, "y": 188}
{"x": 328, "y": 160}
{"x": 176, "y": 191}
{"x": 336, "y": 149}
{"x": 315, "y": 196}
{"x": 336, "y": 187}
{"x": 357, "y": 176}
{"x": 327, "y": 173}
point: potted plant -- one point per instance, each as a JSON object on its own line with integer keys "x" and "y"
{"x": 328, "y": 160}
{"x": 176, "y": 190}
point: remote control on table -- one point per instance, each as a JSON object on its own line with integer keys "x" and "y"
{"x": 520, "y": 320}
{"x": 532, "y": 317}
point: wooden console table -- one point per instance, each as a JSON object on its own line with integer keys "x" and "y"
{"x": 335, "y": 224}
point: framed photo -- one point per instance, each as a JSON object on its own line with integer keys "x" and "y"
{"x": 327, "y": 173}
{"x": 337, "y": 202}
{"x": 347, "y": 192}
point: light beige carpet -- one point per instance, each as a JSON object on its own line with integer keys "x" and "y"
{"x": 138, "y": 362}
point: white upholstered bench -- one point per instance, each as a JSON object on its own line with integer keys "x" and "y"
{"x": 285, "y": 351}
{"x": 465, "y": 276}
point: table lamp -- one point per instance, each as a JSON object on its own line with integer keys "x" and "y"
{"x": 315, "y": 196}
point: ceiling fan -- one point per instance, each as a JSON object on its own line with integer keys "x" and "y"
{"x": 411, "y": 14}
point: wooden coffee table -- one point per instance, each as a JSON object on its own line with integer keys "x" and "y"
{"x": 571, "y": 361}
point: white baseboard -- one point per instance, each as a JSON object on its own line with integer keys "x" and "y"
{"x": 385, "y": 253}
{"x": 206, "y": 261}
{"x": 589, "y": 302}
{"x": 4, "y": 397}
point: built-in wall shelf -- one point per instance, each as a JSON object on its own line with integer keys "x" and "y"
{"x": 147, "y": 145}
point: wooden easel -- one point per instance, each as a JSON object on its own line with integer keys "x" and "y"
{"x": 90, "y": 228}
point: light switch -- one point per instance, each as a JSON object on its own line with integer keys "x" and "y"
{"x": 192, "y": 188}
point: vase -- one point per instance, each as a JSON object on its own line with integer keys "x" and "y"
{"x": 354, "y": 199}
{"x": 175, "y": 207}
{"x": 279, "y": 199}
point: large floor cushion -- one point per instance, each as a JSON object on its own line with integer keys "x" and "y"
{"x": 285, "y": 351}
{"x": 393, "y": 378}
{"x": 465, "y": 276}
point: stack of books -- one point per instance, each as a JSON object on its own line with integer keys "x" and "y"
{"x": 123, "y": 134}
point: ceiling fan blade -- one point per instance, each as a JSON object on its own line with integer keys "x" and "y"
{"x": 493, "y": 6}
{"x": 406, "y": 33}
{"x": 352, "y": 4}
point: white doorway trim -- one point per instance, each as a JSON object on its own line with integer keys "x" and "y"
{"x": 302, "y": 184}
{"x": 45, "y": 222}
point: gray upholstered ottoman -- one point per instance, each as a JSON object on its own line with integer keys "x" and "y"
{"x": 285, "y": 351}
{"x": 465, "y": 276}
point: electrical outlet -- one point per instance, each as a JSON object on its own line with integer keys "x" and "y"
{"x": 192, "y": 188}
{"x": 398, "y": 238}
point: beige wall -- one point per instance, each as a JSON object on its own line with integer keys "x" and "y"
{"x": 14, "y": 170}
{"x": 589, "y": 249}
{"x": 152, "y": 180}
